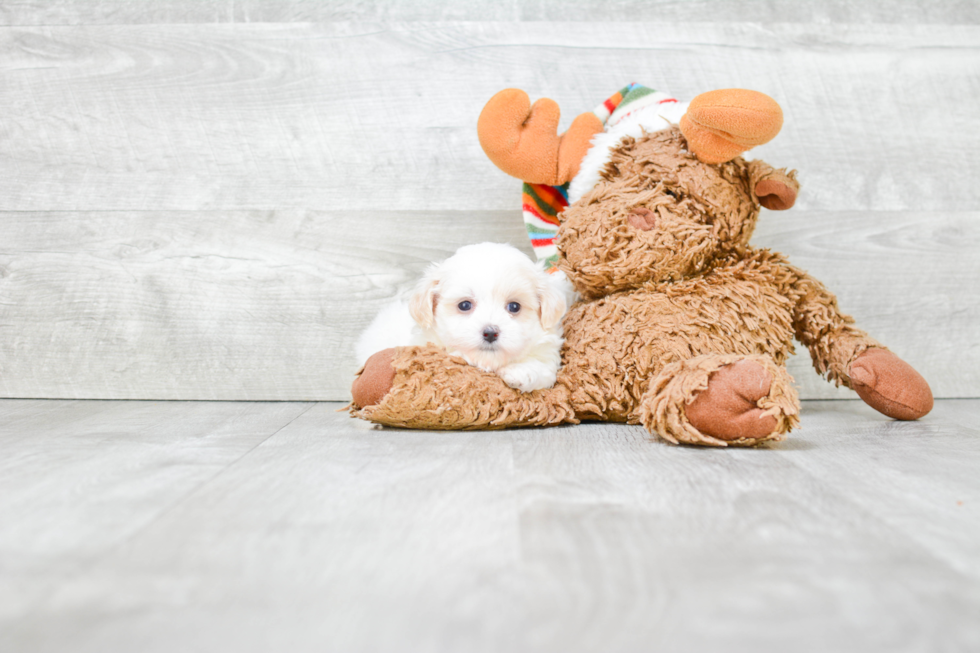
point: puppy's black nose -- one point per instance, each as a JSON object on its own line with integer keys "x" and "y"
{"x": 490, "y": 333}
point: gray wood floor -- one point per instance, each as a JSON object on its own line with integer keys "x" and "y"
{"x": 195, "y": 526}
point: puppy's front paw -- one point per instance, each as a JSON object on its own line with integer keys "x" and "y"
{"x": 527, "y": 377}
{"x": 517, "y": 379}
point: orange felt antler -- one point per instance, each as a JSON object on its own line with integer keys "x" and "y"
{"x": 720, "y": 125}
{"x": 523, "y": 141}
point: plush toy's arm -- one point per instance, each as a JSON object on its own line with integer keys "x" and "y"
{"x": 849, "y": 356}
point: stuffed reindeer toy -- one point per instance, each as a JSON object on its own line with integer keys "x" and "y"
{"x": 682, "y": 326}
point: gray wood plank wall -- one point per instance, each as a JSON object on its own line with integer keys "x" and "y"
{"x": 208, "y": 200}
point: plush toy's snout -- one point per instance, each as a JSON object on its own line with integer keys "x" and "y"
{"x": 642, "y": 219}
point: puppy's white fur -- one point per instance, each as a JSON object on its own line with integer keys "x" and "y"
{"x": 472, "y": 294}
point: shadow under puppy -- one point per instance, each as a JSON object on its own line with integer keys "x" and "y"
{"x": 488, "y": 304}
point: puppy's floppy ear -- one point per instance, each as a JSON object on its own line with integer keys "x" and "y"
{"x": 551, "y": 302}
{"x": 422, "y": 304}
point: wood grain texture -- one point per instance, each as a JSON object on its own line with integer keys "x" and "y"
{"x": 77, "y": 479}
{"x": 111, "y": 12}
{"x": 857, "y": 534}
{"x": 215, "y": 305}
{"x": 267, "y": 305}
{"x": 367, "y": 116}
{"x": 196, "y": 207}
{"x": 904, "y": 277}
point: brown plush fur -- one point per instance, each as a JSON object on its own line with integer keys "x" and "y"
{"x": 663, "y": 309}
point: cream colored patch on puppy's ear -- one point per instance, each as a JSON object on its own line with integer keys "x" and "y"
{"x": 551, "y": 304}
{"x": 422, "y": 304}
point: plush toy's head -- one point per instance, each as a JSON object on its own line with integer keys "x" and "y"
{"x": 657, "y": 214}
{"x": 653, "y": 200}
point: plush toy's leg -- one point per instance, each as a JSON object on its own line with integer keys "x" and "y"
{"x": 848, "y": 356}
{"x": 721, "y": 400}
{"x": 425, "y": 388}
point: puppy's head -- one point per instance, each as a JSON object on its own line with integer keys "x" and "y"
{"x": 489, "y": 303}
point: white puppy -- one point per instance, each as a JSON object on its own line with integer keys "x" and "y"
{"x": 487, "y": 303}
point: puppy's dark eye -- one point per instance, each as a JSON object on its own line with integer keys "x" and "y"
{"x": 513, "y": 308}
{"x": 464, "y": 305}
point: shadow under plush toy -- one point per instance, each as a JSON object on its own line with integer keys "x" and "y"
{"x": 683, "y": 326}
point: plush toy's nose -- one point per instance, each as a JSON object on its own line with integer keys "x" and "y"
{"x": 490, "y": 333}
{"x": 643, "y": 219}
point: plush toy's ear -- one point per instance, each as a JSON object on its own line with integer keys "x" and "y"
{"x": 422, "y": 304}
{"x": 552, "y": 305}
{"x": 775, "y": 189}
{"x": 776, "y": 194}
{"x": 522, "y": 139}
{"x": 720, "y": 125}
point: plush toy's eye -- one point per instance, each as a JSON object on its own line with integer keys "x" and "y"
{"x": 465, "y": 305}
{"x": 513, "y": 308}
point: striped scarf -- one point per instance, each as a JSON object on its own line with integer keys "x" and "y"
{"x": 543, "y": 203}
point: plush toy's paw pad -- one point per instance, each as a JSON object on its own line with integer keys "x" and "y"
{"x": 375, "y": 379}
{"x": 722, "y": 124}
{"x": 728, "y": 408}
{"x": 890, "y": 385}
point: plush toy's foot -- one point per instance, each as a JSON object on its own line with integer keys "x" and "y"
{"x": 728, "y": 409}
{"x": 890, "y": 385}
{"x": 425, "y": 388}
{"x": 721, "y": 400}
{"x": 374, "y": 380}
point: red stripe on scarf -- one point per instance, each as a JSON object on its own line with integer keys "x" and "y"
{"x": 533, "y": 210}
